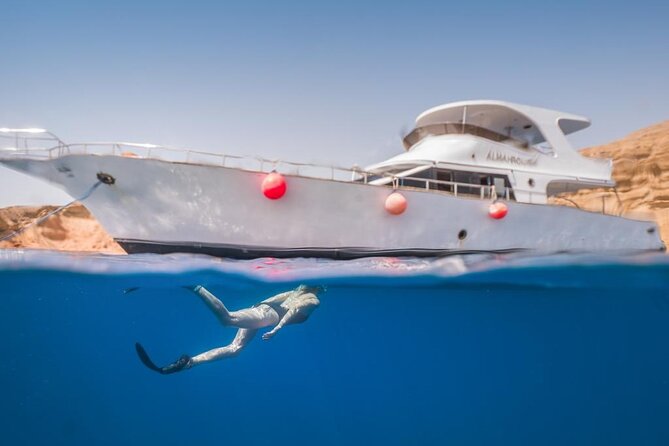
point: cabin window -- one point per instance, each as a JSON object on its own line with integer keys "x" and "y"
{"x": 499, "y": 183}
{"x": 471, "y": 183}
{"x": 450, "y": 128}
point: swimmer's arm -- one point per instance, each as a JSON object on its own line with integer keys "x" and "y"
{"x": 279, "y": 298}
{"x": 284, "y": 320}
{"x": 306, "y": 306}
{"x": 308, "y": 301}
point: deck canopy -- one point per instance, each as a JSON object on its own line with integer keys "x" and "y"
{"x": 495, "y": 120}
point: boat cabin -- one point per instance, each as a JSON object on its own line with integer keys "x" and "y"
{"x": 489, "y": 149}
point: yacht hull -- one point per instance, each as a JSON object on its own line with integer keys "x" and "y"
{"x": 160, "y": 206}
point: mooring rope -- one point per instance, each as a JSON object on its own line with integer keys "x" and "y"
{"x": 54, "y": 212}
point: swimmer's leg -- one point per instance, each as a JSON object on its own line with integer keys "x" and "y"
{"x": 213, "y": 303}
{"x": 242, "y": 338}
{"x": 251, "y": 318}
{"x": 254, "y": 318}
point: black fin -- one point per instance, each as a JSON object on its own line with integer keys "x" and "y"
{"x": 144, "y": 357}
{"x": 183, "y": 363}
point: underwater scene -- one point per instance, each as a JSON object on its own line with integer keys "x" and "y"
{"x": 474, "y": 350}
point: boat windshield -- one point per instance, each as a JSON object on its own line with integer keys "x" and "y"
{"x": 458, "y": 128}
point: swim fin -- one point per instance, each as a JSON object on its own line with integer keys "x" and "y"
{"x": 184, "y": 362}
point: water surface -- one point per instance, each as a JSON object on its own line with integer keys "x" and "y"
{"x": 477, "y": 350}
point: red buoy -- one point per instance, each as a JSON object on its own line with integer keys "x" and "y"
{"x": 498, "y": 210}
{"x": 396, "y": 204}
{"x": 274, "y": 186}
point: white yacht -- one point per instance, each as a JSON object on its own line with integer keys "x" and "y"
{"x": 460, "y": 159}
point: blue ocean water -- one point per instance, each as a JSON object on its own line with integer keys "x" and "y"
{"x": 462, "y": 350}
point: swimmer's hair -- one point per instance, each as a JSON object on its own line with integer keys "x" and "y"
{"x": 314, "y": 289}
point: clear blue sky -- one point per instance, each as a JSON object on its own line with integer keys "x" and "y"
{"x": 329, "y": 82}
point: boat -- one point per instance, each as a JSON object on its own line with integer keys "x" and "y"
{"x": 475, "y": 176}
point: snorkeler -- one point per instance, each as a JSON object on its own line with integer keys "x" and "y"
{"x": 291, "y": 307}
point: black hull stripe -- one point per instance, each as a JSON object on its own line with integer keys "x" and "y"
{"x": 132, "y": 246}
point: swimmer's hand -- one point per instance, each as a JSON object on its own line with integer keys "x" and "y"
{"x": 269, "y": 335}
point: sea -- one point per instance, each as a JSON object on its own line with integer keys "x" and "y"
{"x": 466, "y": 350}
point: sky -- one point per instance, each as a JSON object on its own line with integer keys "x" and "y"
{"x": 327, "y": 82}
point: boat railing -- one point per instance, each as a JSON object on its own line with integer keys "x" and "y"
{"x": 257, "y": 164}
{"x": 453, "y": 188}
{"x": 24, "y": 143}
{"x": 189, "y": 156}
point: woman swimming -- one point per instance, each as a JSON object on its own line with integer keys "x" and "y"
{"x": 291, "y": 307}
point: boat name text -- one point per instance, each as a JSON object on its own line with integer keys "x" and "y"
{"x": 511, "y": 159}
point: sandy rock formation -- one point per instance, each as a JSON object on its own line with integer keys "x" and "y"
{"x": 73, "y": 229}
{"x": 641, "y": 171}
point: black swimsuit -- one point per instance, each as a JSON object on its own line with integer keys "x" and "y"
{"x": 276, "y": 307}
{"x": 297, "y": 317}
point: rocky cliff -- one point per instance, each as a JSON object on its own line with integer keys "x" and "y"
{"x": 641, "y": 171}
{"x": 73, "y": 229}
